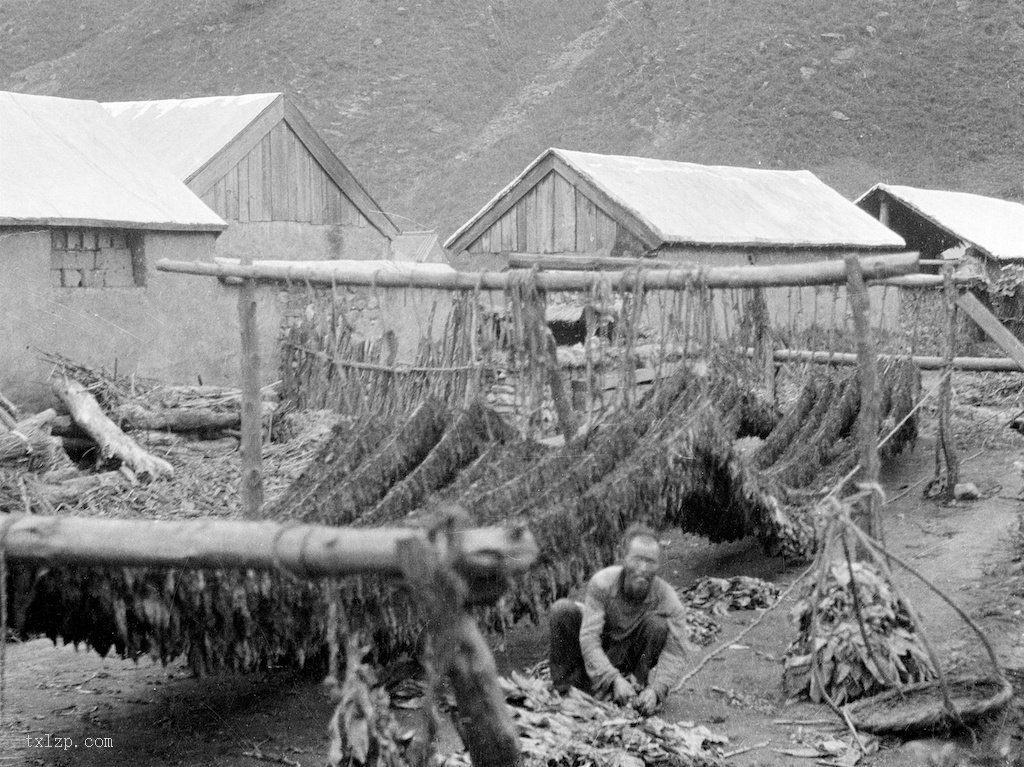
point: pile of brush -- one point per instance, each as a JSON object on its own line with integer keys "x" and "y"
{"x": 864, "y": 640}
{"x": 157, "y": 415}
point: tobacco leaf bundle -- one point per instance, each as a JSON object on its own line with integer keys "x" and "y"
{"x": 472, "y": 431}
{"x": 347, "y": 446}
{"x": 847, "y": 667}
{"x": 392, "y": 460}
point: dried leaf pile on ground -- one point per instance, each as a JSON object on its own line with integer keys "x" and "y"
{"x": 577, "y": 729}
{"x": 719, "y": 595}
{"x": 574, "y": 730}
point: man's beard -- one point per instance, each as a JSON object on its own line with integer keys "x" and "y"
{"x": 634, "y": 589}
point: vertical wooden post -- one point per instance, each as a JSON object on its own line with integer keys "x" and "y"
{"x": 946, "y": 438}
{"x": 251, "y": 483}
{"x": 460, "y": 650}
{"x": 857, "y": 293}
{"x": 757, "y": 308}
{"x": 563, "y": 404}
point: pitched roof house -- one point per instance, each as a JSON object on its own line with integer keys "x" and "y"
{"x": 64, "y": 162}
{"x": 257, "y": 161}
{"x": 582, "y": 203}
{"x": 84, "y": 213}
{"x": 933, "y": 220}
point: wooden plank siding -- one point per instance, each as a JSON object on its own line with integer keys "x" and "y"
{"x": 563, "y": 208}
{"x": 243, "y": 189}
{"x": 528, "y": 208}
{"x": 606, "y": 228}
{"x": 586, "y": 224}
{"x": 545, "y": 220}
{"x": 280, "y": 180}
{"x": 231, "y": 194}
{"x": 555, "y": 216}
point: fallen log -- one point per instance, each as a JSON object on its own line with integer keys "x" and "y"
{"x": 200, "y": 441}
{"x": 113, "y": 442}
{"x": 71, "y": 490}
{"x": 136, "y": 417}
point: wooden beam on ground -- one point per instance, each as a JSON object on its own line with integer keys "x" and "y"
{"x": 827, "y": 272}
{"x": 306, "y": 550}
{"x": 997, "y": 331}
{"x": 973, "y": 364}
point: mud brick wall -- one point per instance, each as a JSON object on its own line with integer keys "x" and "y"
{"x": 94, "y": 258}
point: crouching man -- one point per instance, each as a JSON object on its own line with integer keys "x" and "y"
{"x": 631, "y": 623}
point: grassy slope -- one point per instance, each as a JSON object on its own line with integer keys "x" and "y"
{"x": 437, "y": 105}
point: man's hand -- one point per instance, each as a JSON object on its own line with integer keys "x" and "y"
{"x": 622, "y": 691}
{"x": 646, "y": 702}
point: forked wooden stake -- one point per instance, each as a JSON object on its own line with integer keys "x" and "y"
{"x": 460, "y": 651}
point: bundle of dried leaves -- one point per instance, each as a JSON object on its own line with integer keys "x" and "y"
{"x": 864, "y": 640}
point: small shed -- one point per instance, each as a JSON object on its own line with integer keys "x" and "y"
{"x": 259, "y": 164}
{"x": 933, "y": 221}
{"x": 985, "y": 233}
{"x": 84, "y": 214}
{"x": 579, "y": 203}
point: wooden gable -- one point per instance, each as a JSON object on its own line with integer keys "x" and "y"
{"x": 280, "y": 180}
{"x": 553, "y": 210}
{"x": 280, "y": 169}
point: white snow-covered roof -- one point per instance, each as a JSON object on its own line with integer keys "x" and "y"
{"x": 991, "y": 225}
{"x": 66, "y": 162}
{"x": 188, "y": 133}
{"x": 680, "y": 203}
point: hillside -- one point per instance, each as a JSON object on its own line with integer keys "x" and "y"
{"x": 436, "y": 104}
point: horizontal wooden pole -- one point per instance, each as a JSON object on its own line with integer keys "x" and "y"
{"x": 975, "y": 364}
{"x": 830, "y": 272}
{"x": 922, "y": 281}
{"x": 575, "y": 262}
{"x": 309, "y": 550}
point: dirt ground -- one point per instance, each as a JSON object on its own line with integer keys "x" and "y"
{"x": 143, "y": 713}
